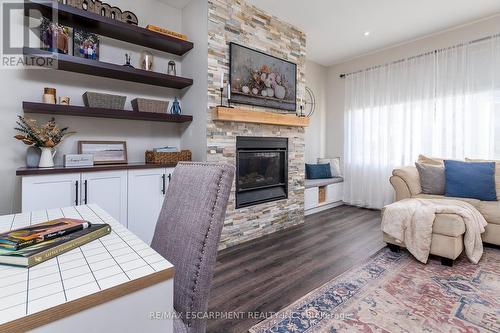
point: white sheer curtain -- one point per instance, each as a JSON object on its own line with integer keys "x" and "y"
{"x": 444, "y": 104}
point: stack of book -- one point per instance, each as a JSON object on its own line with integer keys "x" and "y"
{"x": 166, "y": 32}
{"x": 37, "y": 243}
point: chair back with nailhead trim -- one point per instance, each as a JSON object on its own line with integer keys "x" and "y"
{"x": 188, "y": 232}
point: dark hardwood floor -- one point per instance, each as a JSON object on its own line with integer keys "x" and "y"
{"x": 266, "y": 275}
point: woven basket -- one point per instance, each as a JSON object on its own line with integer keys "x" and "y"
{"x": 105, "y": 101}
{"x": 149, "y": 105}
{"x": 167, "y": 158}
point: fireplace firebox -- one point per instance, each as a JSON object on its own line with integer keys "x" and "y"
{"x": 261, "y": 170}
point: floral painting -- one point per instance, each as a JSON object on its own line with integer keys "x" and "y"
{"x": 262, "y": 80}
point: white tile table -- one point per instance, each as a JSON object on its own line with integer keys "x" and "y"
{"x": 113, "y": 284}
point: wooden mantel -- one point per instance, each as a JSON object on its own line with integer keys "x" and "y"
{"x": 258, "y": 117}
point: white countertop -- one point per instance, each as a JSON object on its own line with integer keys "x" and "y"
{"x": 117, "y": 260}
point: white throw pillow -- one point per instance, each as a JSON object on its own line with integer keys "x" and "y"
{"x": 334, "y": 165}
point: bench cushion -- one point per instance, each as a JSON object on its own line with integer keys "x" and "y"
{"x": 323, "y": 182}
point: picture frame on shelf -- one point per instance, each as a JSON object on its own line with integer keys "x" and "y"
{"x": 85, "y": 44}
{"x": 105, "y": 152}
{"x": 55, "y": 37}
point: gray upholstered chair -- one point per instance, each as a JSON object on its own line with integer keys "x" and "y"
{"x": 188, "y": 233}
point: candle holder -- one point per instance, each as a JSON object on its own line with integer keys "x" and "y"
{"x": 301, "y": 112}
{"x": 229, "y": 96}
{"x": 221, "y": 89}
{"x": 221, "y": 95}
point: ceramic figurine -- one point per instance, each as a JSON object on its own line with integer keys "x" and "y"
{"x": 176, "y": 107}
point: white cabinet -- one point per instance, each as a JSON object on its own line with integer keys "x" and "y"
{"x": 50, "y": 191}
{"x": 334, "y": 192}
{"x": 133, "y": 197}
{"x": 147, "y": 190}
{"x": 311, "y": 198}
{"x": 107, "y": 189}
{"x": 333, "y": 196}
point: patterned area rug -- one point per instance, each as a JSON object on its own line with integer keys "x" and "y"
{"x": 392, "y": 292}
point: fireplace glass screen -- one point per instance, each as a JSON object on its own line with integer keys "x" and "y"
{"x": 261, "y": 170}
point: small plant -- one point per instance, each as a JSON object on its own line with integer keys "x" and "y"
{"x": 48, "y": 135}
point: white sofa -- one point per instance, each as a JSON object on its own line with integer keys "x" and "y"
{"x": 448, "y": 229}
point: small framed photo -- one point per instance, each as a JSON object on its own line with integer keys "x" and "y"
{"x": 105, "y": 152}
{"x": 85, "y": 44}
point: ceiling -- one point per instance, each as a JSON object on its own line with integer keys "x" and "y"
{"x": 335, "y": 28}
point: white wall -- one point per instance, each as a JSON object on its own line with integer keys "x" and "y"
{"x": 27, "y": 85}
{"x": 335, "y": 85}
{"x": 195, "y": 25}
{"x": 316, "y": 79}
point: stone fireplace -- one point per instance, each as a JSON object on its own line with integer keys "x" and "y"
{"x": 268, "y": 194}
{"x": 261, "y": 170}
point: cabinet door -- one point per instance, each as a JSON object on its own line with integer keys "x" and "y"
{"x": 47, "y": 192}
{"x": 107, "y": 189}
{"x": 147, "y": 190}
{"x": 334, "y": 192}
{"x": 311, "y": 197}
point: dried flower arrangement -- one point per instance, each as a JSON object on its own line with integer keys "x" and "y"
{"x": 48, "y": 135}
{"x": 266, "y": 82}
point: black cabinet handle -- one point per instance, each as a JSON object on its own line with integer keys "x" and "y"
{"x": 76, "y": 192}
{"x": 163, "y": 184}
{"x": 86, "y": 188}
{"x": 169, "y": 177}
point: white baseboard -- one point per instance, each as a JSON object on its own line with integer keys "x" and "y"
{"x": 323, "y": 207}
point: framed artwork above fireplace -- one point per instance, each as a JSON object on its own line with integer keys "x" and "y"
{"x": 260, "y": 79}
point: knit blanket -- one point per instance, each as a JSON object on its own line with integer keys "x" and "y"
{"x": 410, "y": 222}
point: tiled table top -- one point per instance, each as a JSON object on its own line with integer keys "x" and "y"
{"x": 115, "y": 260}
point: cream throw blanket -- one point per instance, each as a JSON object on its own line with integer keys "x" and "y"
{"x": 411, "y": 220}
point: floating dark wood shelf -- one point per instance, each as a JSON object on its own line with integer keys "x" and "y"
{"x": 82, "y": 111}
{"x": 91, "y": 22}
{"x": 104, "y": 69}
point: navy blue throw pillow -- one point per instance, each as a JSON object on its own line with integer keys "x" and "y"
{"x": 470, "y": 180}
{"x": 318, "y": 171}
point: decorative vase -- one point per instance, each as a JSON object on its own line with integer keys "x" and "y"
{"x": 33, "y": 157}
{"x": 176, "y": 107}
{"x": 47, "y": 157}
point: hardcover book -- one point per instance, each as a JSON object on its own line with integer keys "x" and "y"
{"x": 166, "y": 32}
{"x": 31, "y": 235}
{"x": 40, "y": 252}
